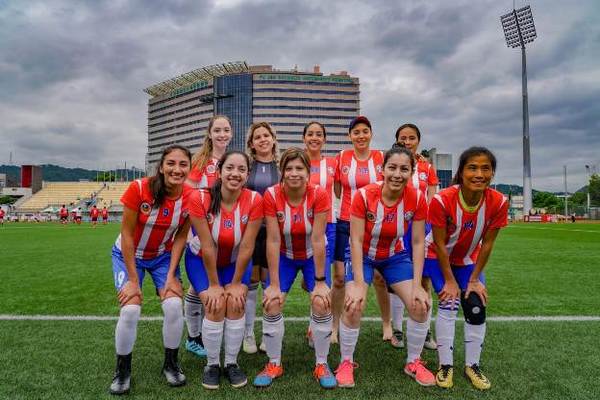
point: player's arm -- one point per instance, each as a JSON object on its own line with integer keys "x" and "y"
{"x": 273, "y": 292}
{"x": 450, "y": 291}
{"x": 431, "y": 189}
{"x": 214, "y": 293}
{"x": 132, "y": 288}
{"x": 485, "y": 251}
{"x": 318, "y": 244}
{"x": 173, "y": 284}
{"x": 246, "y": 249}
{"x": 418, "y": 252}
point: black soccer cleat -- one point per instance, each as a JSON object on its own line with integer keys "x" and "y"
{"x": 121, "y": 382}
{"x": 171, "y": 369}
{"x": 211, "y": 376}
{"x": 235, "y": 375}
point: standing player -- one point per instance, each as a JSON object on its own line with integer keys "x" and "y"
{"x": 94, "y": 212}
{"x": 261, "y": 144}
{"x": 465, "y": 220}
{"x": 154, "y": 211}
{"x": 296, "y": 214}
{"x": 355, "y": 168}
{"x": 63, "y": 215}
{"x": 425, "y": 179}
{"x": 202, "y": 176}
{"x": 104, "y": 215}
{"x": 1, "y": 216}
{"x": 380, "y": 216}
{"x": 322, "y": 173}
{"x": 227, "y": 219}
{"x": 78, "y": 214}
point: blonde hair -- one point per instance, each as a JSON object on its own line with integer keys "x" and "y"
{"x": 200, "y": 158}
{"x": 251, "y": 152}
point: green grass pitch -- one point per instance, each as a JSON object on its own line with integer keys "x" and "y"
{"x": 535, "y": 270}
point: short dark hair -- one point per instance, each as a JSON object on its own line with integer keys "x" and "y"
{"x": 412, "y": 126}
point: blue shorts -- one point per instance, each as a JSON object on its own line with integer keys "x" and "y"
{"x": 158, "y": 268}
{"x": 342, "y": 241}
{"x": 194, "y": 268}
{"x": 461, "y": 274}
{"x": 288, "y": 270}
{"x": 407, "y": 238}
{"x": 395, "y": 269}
{"x": 330, "y": 232}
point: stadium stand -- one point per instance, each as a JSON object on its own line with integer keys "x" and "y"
{"x": 110, "y": 195}
{"x": 57, "y": 193}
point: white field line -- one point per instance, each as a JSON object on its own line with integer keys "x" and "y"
{"x": 551, "y": 229}
{"x": 557, "y": 318}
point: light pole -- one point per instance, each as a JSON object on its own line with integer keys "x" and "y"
{"x": 519, "y": 29}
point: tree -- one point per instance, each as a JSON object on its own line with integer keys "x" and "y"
{"x": 578, "y": 199}
{"x": 545, "y": 200}
{"x": 594, "y": 188}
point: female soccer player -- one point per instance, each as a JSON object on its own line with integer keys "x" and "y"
{"x": 380, "y": 216}
{"x": 202, "y": 176}
{"x": 227, "y": 219}
{"x": 425, "y": 179}
{"x": 322, "y": 173}
{"x": 355, "y": 168}
{"x": 296, "y": 215}
{"x": 465, "y": 220}
{"x": 155, "y": 210}
{"x": 261, "y": 144}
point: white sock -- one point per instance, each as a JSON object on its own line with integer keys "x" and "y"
{"x": 194, "y": 313}
{"x": 415, "y": 338}
{"x": 172, "y": 322}
{"x": 445, "y": 324}
{"x": 234, "y": 334}
{"x": 397, "y": 311}
{"x": 250, "y": 314}
{"x": 348, "y": 339}
{"x": 321, "y": 332}
{"x": 126, "y": 330}
{"x": 474, "y": 335}
{"x": 212, "y": 336}
{"x": 273, "y": 330}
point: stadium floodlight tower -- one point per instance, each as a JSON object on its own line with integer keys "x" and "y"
{"x": 518, "y": 30}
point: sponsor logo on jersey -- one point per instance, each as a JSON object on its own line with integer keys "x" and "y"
{"x": 280, "y": 216}
{"x": 165, "y": 212}
{"x": 297, "y": 218}
{"x": 363, "y": 170}
{"x": 409, "y": 215}
{"x": 370, "y": 216}
{"x": 145, "y": 208}
{"x": 390, "y": 217}
{"x": 210, "y": 169}
{"x": 423, "y": 176}
{"x": 314, "y": 170}
{"x": 345, "y": 169}
{"x": 468, "y": 225}
{"x": 244, "y": 219}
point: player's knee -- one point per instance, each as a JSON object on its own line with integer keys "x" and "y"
{"x": 130, "y": 313}
{"x": 172, "y": 308}
{"x": 319, "y": 306}
{"x": 272, "y": 308}
{"x": 418, "y": 312}
{"x": 473, "y": 309}
{"x": 231, "y": 311}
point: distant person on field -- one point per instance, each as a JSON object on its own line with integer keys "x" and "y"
{"x": 104, "y": 215}
{"x": 94, "y": 212}
{"x": 1, "y": 217}
{"x": 63, "y": 214}
{"x": 155, "y": 216}
{"x": 78, "y": 215}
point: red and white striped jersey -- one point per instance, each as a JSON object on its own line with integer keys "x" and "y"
{"x": 156, "y": 225}
{"x": 354, "y": 174}
{"x": 228, "y": 227}
{"x": 385, "y": 226}
{"x": 464, "y": 230}
{"x": 295, "y": 223}
{"x": 322, "y": 173}
{"x": 205, "y": 178}
{"x": 424, "y": 175}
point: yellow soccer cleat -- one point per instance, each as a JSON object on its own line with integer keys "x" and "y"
{"x": 477, "y": 378}
{"x": 443, "y": 378}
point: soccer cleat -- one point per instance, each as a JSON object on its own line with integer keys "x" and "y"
{"x": 171, "y": 369}
{"x": 309, "y": 339}
{"x": 266, "y": 376}
{"x": 263, "y": 347}
{"x": 249, "y": 345}
{"x": 430, "y": 343}
{"x": 477, "y": 378}
{"x": 235, "y": 375}
{"x": 344, "y": 374}
{"x": 397, "y": 339}
{"x": 195, "y": 346}
{"x": 211, "y": 376}
{"x": 417, "y": 370}
{"x": 122, "y": 378}
{"x": 323, "y": 374}
{"x": 443, "y": 378}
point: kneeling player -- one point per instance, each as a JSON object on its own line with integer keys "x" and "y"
{"x": 465, "y": 219}
{"x": 379, "y": 217}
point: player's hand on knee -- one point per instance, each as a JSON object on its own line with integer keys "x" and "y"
{"x": 478, "y": 287}
{"x": 321, "y": 297}
{"x": 419, "y": 299}
{"x": 215, "y": 296}
{"x": 355, "y": 297}
{"x": 272, "y": 296}
{"x": 450, "y": 291}
{"x": 236, "y": 294}
{"x": 128, "y": 292}
{"x": 173, "y": 285}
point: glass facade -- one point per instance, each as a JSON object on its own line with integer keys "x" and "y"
{"x": 445, "y": 177}
{"x": 233, "y": 98}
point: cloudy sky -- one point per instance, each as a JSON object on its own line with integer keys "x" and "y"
{"x": 72, "y": 73}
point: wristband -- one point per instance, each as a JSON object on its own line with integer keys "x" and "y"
{"x": 320, "y": 279}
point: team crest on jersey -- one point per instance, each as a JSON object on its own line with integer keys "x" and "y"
{"x": 423, "y": 176}
{"x": 309, "y": 213}
{"x": 165, "y": 212}
{"x": 210, "y": 169}
{"x": 145, "y": 208}
{"x": 209, "y": 218}
{"x": 330, "y": 171}
{"x": 228, "y": 224}
{"x": 370, "y": 216}
{"x": 379, "y": 168}
{"x": 409, "y": 215}
{"x": 244, "y": 219}
{"x": 185, "y": 214}
{"x": 280, "y": 216}
{"x": 345, "y": 169}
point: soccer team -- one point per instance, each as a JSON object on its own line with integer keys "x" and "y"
{"x": 257, "y": 218}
